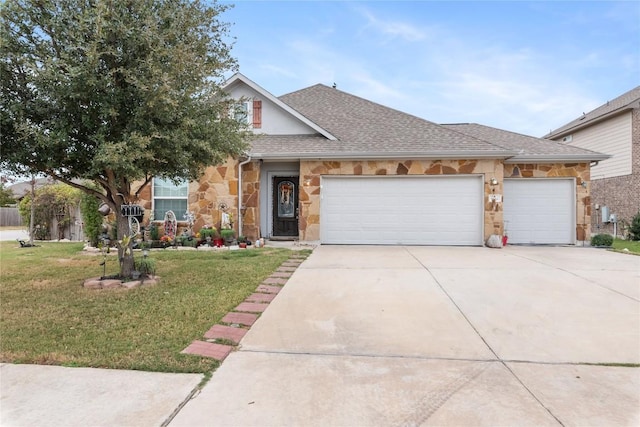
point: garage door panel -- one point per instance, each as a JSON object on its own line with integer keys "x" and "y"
{"x": 402, "y": 210}
{"x": 539, "y": 211}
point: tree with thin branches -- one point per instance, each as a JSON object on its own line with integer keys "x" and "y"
{"x": 115, "y": 92}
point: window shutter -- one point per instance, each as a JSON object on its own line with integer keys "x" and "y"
{"x": 257, "y": 114}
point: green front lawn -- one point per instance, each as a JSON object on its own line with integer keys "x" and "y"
{"x": 633, "y": 246}
{"x": 47, "y": 317}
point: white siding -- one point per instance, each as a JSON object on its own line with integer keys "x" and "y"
{"x": 611, "y": 137}
{"x": 275, "y": 121}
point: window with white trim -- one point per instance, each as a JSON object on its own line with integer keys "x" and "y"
{"x": 168, "y": 196}
{"x": 241, "y": 112}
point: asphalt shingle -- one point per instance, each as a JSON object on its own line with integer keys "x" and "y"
{"x": 526, "y": 147}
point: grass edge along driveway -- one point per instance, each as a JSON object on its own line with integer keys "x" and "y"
{"x": 47, "y": 317}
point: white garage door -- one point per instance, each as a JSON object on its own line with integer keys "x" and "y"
{"x": 405, "y": 210}
{"x": 540, "y": 211}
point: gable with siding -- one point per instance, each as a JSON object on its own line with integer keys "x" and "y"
{"x": 611, "y": 137}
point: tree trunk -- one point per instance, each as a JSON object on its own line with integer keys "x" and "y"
{"x": 33, "y": 209}
{"x": 125, "y": 245}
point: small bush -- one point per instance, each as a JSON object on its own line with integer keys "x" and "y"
{"x": 634, "y": 228}
{"x": 146, "y": 266}
{"x": 602, "y": 240}
{"x": 154, "y": 233}
{"x": 91, "y": 217}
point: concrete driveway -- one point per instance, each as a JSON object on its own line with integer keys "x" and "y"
{"x": 365, "y": 336}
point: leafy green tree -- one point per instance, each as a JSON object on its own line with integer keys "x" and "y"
{"x": 6, "y": 196}
{"x": 115, "y": 92}
{"x": 51, "y": 201}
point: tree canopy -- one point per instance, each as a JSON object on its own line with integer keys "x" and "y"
{"x": 115, "y": 91}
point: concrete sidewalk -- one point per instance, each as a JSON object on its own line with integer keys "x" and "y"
{"x": 35, "y": 395}
{"x": 377, "y": 336}
{"x": 14, "y": 235}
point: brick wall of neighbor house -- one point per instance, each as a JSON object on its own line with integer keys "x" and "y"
{"x": 580, "y": 171}
{"x": 619, "y": 193}
{"x": 311, "y": 171}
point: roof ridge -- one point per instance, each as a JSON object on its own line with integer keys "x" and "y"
{"x": 475, "y": 136}
{"x": 385, "y": 107}
{"x": 607, "y": 108}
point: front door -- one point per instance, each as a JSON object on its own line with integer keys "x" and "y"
{"x": 285, "y": 206}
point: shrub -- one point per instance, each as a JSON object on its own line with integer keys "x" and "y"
{"x": 91, "y": 218}
{"x": 602, "y": 240}
{"x": 227, "y": 233}
{"x": 634, "y": 228}
{"x": 208, "y": 232}
{"x": 146, "y": 266}
{"x": 154, "y": 233}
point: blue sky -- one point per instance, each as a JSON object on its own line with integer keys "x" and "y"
{"x": 528, "y": 67}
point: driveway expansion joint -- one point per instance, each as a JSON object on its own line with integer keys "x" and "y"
{"x": 531, "y": 393}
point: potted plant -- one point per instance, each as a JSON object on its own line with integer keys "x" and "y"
{"x": 166, "y": 241}
{"x": 242, "y": 241}
{"x": 208, "y": 233}
{"x": 227, "y": 235}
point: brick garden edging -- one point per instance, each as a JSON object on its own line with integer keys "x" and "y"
{"x": 221, "y": 339}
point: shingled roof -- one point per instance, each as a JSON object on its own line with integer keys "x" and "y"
{"x": 528, "y": 148}
{"x": 624, "y": 102}
{"x": 365, "y": 129}
{"x": 362, "y": 129}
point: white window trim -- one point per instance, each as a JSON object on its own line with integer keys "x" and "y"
{"x": 153, "y": 202}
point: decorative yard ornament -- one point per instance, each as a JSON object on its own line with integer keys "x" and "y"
{"x": 170, "y": 224}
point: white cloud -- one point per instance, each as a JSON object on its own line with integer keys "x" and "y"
{"x": 277, "y": 70}
{"x": 445, "y": 74}
{"x": 393, "y": 29}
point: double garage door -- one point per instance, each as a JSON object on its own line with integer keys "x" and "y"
{"x": 405, "y": 210}
{"x": 442, "y": 210}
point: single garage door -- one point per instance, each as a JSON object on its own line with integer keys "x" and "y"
{"x": 405, "y": 210}
{"x": 540, "y": 211}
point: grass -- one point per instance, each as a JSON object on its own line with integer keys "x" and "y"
{"x": 47, "y": 317}
{"x": 633, "y": 246}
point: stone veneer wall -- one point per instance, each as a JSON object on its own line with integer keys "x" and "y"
{"x": 251, "y": 200}
{"x": 311, "y": 171}
{"x": 580, "y": 171}
{"x": 218, "y": 184}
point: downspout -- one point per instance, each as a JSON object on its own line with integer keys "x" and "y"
{"x": 240, "y": 216}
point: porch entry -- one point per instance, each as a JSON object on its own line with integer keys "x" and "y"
{"x": 285, "y": 206}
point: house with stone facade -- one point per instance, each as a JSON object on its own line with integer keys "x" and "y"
{"x": 612, "y": 128}
{"x": 329, "y": 167}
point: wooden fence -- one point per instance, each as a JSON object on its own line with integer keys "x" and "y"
{"x": 10, "y": 217}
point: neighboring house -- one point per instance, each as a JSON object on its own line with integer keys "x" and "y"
{"x": 326, "y": 166}
{"x": 612, "y": 128}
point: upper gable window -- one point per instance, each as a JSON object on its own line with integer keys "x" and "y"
{"x": 248, "y": 113}
{"x": 241, "y": 112}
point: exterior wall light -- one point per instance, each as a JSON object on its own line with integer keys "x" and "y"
{"x": 493, "y": 181}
